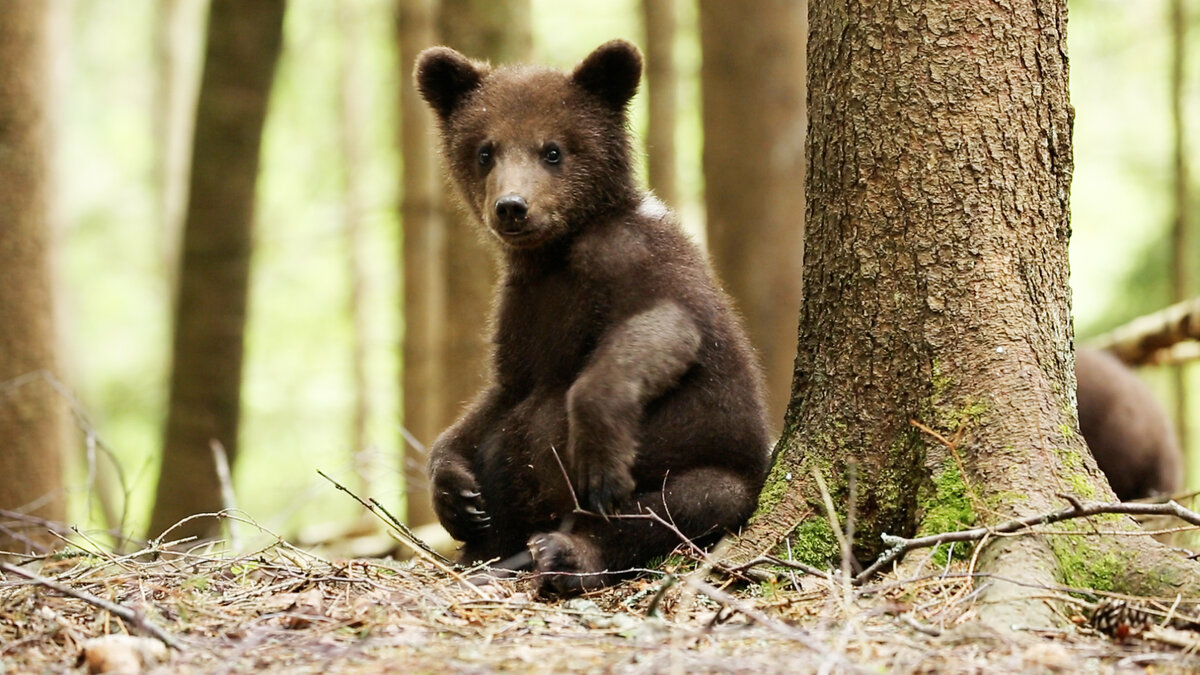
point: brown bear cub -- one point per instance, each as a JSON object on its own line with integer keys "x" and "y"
{"x": 621, "y": 379}
{"x": 1126, "y": 428}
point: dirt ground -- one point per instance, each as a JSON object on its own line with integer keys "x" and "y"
{"x": 282, "y": 609}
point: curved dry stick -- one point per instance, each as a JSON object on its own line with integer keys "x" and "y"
{"x": 901, "y": 545}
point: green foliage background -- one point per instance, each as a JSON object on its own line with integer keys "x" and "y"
{"x": 114, "y": 266}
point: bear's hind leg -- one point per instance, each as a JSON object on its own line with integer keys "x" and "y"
{"x": 591, "y": 551}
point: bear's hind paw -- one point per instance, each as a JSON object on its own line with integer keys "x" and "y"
{"x": 565, "y": 564}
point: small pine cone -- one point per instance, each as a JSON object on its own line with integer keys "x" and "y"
{"x": 1118, "y": 619}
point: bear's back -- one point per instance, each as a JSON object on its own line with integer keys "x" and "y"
{"x": 1125, "y": 427}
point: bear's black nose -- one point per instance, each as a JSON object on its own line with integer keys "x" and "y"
{"x": 511, "y": 208}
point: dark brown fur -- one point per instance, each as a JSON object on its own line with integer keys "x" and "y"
{"x": 1126, "y": 428}
{"x": 615, "y": 352}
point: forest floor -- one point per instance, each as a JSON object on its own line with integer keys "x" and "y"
{"x": 283, "y": 609}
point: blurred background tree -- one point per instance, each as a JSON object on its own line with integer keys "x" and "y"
{"x": 32, "y": 400}
{"x": 244, "y": 41}
{"x": 1182, "y": 248}
{"x": 299, "y": 388}
{"x": 423, "y": 260}
{"x": 449, "y": 342}
{"x": 662, "y": 91}
{"x": 753, "y": 81}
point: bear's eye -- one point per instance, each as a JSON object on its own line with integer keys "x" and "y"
{"x": 485, "y": 155}
{"x": 551, "y": 154}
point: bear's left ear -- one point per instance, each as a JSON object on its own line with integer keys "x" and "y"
{"x": 611, "y": 73}
{"x": 444, "y": 77}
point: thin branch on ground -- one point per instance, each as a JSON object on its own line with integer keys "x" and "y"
{"x": 129, "y": 615}
{"x": 228, "y": 501}
{"x": 780, "y": 562}
{"x": 406, "y": 537}
{"x": 900, "y": 545}
{"x": 566, "y": 479}
{"x": 831, "y": 514}
{"x": 412, "y": 541}
{"x": 766, "y": 621}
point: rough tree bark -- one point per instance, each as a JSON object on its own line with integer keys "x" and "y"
{"x": 32, "y": 413}
{"x": 936, "y": 291}
{"x": 658, "y": 17}
{"x": 754, "y": 119}
{"x": 423, "y": 258}
{"x": 244, "y": 41}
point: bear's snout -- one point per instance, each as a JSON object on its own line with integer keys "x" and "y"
{"x": 512, "y": 210}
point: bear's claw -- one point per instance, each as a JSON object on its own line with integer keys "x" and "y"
{"x": 459, "y": 504}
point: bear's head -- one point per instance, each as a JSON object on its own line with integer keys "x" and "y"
{"x": 535, "y": 153}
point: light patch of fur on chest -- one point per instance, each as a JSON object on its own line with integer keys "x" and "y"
{"x": 652, "y": 208}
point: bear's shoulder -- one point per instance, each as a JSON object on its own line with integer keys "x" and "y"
{"x": 647, "y": 239}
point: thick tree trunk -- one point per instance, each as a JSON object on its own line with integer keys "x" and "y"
{"x": 936, "y": 291}
{"x": 662, "y": 87}
{"x": 423, "y": 258}
{"x": 754, "y": 126}
{"x": 32, "y": 413}
{"x": 244, "y": 41}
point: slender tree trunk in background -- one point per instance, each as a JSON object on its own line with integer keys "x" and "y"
{"x": 448, "y": 272}
{"x": 1183, "y": 255}
{"x": 936, "y": 291}
{"x": 662, "y": 85}
{"x": 177, "y": 33}
{"x": 351, "y": 120}
{"x": 32, "y": 413}
{"x": 497, "y": 30}
{"x": 244, "y": 41}
{"x": 754, "y": 125}
{"x": 423, "y": 254}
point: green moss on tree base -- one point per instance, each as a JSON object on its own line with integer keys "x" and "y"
{"x": 1080, "y": 568}
{"x": 1083, "y": 564}
{"x": 947, "y": 509}
{"x": 813, "y": 543}
{"x": 1081, "y": 485}
{"x": 774, "y": 489}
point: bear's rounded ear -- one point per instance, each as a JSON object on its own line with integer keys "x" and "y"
{"x": 444, "y": 77}
{"x": 611, "y": 72}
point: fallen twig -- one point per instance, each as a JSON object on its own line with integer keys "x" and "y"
{"x": 774, "y": 560}
{"x": 407, "y": 536}
{"x": 228, "y": 501}
{"x": 1077, "y": 509}
{"x": 130, "y": 615}
{"x": 766, "y": 621}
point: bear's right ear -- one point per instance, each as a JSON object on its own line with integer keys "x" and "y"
{"x": 444, "y": 77}
{"x": 611, "y": 72}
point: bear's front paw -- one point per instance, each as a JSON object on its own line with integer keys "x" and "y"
{"x": 602, "y": 487}
{"x": 459, "y": 504}
{"x": 566, "y": 564}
